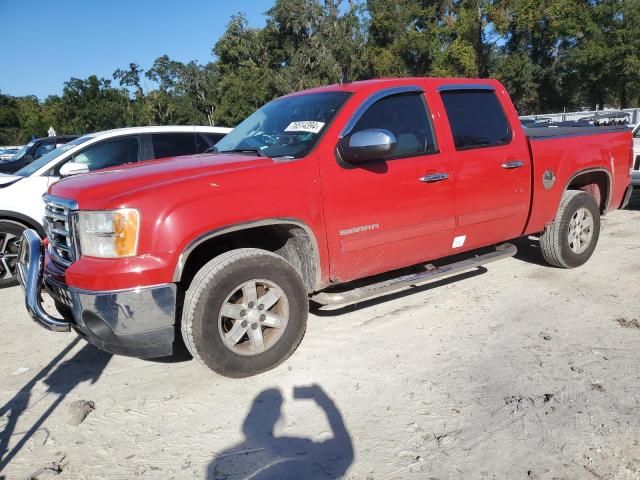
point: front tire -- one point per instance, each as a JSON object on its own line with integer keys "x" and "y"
{"x": 572, "y": 237}
{"x": 10, "y": 235}
{"x": 245, "y": 312}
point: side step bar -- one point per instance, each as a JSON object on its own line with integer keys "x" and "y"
{"x": 430, "y": 273}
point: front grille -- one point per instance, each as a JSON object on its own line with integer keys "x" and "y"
{"x": 636, "y": 166}
{"x": 57, "y": 225}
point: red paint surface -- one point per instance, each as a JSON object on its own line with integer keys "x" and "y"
{"x": 416, "y": 222}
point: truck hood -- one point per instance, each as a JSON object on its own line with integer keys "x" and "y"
{"x": 96, "y": 190}
{"x": 6, "y": 180}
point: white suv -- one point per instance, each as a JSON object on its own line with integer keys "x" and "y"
{"x": 21, "y": 204}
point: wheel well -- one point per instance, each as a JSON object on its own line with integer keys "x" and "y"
{"x": 291, "y": 242}
{"x": 22, "y": 220}
{"x": 596, "y": 183}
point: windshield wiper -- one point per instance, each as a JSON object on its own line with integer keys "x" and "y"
{"x": 257, "y": 151}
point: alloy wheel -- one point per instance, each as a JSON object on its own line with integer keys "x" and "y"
{"x": 253, "y": 317}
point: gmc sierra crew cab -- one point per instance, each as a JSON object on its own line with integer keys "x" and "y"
{"x": 310, "y": 198}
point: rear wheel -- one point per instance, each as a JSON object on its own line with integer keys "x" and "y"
{"x": 10, "y": 235}
{"x": 572, "y": 237}
{"x": 245, "y": 312}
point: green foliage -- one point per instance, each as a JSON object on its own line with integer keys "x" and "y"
{"x": 550, "y": 54}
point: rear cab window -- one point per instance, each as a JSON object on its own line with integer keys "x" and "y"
{"x": 476, "y": 118}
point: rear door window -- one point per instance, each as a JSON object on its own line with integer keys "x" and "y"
{"x": 404, "y": 115}
{"x": 476, "y": 118}
{"x": 173, "y": 144}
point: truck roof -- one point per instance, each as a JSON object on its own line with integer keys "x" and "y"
{"x": 429, "y": 82}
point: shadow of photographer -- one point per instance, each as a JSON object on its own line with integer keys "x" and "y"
{"x": 262, "y": 455}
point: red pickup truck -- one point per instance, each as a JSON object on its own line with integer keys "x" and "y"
{"x": 319, "y": 188}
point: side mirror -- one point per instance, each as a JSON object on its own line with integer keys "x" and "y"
{"x": 27, "y": 159}
{"x": 73, "y": 168}
{"x": 367, "y": 145}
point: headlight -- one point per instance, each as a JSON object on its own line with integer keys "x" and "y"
{"x": 111, "y": 234}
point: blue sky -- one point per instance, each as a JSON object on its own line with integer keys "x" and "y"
{"x": 44, "y": 43}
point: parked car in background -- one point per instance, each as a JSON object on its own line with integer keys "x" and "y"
{"x": 21, "y": 204}
{"x": 315, "y": 189}
{"x": 7, "y": 153}
{"x": 608, "y": 118}
{"x": 635, "y": 174}
{"x": 33, "y": 151}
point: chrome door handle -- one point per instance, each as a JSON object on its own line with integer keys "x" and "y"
{"x": 513, "y": 164}
{"x": 434, "y": 177}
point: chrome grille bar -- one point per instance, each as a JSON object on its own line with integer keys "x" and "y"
{"x": 57, "y": 225}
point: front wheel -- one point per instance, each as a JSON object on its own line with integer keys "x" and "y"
{"x": 245, "y": 312}
{"x": 572, "y": 237}
{"x": 10, "y": 235}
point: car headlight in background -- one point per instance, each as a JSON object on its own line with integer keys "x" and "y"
{"x": 109, "y": 234}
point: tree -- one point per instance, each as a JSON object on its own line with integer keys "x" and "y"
{"x": 92, "y": 104}
{"x": 550, "y": 54}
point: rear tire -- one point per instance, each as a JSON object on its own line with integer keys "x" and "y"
{"x": 572, "y": 237}
{"x": 245, "y": 312}
{"x": 10, "y": 235}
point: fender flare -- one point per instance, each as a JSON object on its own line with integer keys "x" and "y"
{"x": 193, "y": 244}
{"x": 592, "y": 170}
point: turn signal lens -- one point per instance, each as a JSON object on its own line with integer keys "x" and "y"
{"x": 125, "y": 223}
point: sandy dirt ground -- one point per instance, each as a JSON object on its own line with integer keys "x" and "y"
{"x": 516, "y": 371}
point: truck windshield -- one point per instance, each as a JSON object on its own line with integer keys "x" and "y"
{"x": 286, "y": 127}
{"x": 29, "y": 169}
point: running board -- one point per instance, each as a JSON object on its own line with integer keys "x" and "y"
{"x": 430, "y": 273}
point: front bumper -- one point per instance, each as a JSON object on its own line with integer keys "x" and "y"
{"x": 138, "y": 322}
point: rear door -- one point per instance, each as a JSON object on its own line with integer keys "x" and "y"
{"x": 382, "y": 215}
{"x": 492, "y": 168}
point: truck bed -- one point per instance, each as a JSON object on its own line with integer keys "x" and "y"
{"x": 555, "y": 132}
{"x": 563, "y": 152}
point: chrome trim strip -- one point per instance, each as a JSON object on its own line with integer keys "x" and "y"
{"x": 373, "y": 98}
{"x": 61, "y": 202}
{"x": 182, "y": 260}
{"x": 466, "y": 86}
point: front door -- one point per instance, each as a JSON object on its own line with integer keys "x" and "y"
{"x": 385, "y": 214}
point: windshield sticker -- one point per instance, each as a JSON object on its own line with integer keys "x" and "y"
{"x": 308, "y": 126}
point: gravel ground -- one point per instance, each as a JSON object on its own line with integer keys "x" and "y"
{"x": 515, "y": 371}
